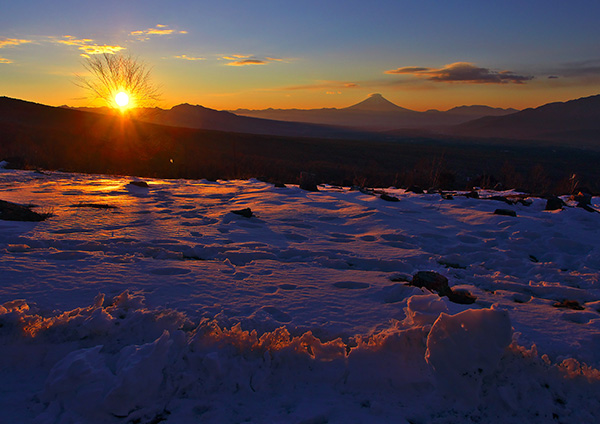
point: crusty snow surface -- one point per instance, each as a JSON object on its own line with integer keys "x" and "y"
{"x": 170, "y": 308}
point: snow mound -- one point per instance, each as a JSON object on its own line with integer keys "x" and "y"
{"x": 465, "y": 348}
{"x": 118, "y": 361}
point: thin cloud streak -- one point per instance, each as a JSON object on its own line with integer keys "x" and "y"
{"x": 87, "y": 45}
{"x": 159, "y": 29}
{"x": 462, "y": 72}
{"x": 11, "y": 42}
{"x": 186, "y": 57}
{"x": 248, "y": 60}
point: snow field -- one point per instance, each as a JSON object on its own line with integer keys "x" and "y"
{"x": 291, "y": 315}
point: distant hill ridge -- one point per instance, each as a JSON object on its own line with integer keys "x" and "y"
{"x": 199, "y": 117}
{"x": 34, "y": 135}
{"x": 576, "y": 120}
{"x": 359, "y": 121}
{"x": 376, "y": 113}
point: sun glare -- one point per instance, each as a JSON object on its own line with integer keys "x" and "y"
{"x": 122, "y": 99}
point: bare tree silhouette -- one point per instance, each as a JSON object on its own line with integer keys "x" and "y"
{"x": 112, "y": 74}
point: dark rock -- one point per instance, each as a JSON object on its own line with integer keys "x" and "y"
{"x": 449, "y": 264}
{"x": 447, "y": 196}
{"x": 389, "y": 198}
{"x": 582, "y": 198}
{"x": 415, "y": 189}
{"x": 584, "y": 201}
{"x": 586, "y": 207}
{"x": 279, "y": 185}
{"x": 472, "y": 194}
{"x": 14, "y": 212}
{"x": 570, "y": 304}
{"x": 505, "y": 212}
{"x": 432, "y": 281}
{"x": 554, "y": 203}
{"x": 142, "y": 184}
{"x": 461, "y": 296}
{"x": 502, "y": 199}
{"x": 533, "y": 259}
{"x": 14, "y": 162}
{"x": 308, "y": 181}
{"x": 246, "y": 212}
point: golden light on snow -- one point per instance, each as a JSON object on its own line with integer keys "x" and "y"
{"x": 122, "y": 99}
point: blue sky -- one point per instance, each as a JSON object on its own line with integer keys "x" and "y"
{"x": 228, "y": 54}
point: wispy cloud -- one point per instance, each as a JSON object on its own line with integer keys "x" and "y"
{"x": 463, "y": 72}
{"x": 159, "y": 29}
{"x": 583, "y": 68}
{"x": 186, "y": 57}
{"x": 87, "y": 45}
{"x": 248, "y": 60}
{"x": 11, "y": 42}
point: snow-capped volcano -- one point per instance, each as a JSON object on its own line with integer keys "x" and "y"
{"x": 377, "y": 103}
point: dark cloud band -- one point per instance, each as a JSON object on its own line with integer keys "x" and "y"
{"x": 463, "y": 72}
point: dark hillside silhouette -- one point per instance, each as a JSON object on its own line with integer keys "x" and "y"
{"x": 34, "y": 135}
{"x": 576, "y": 121}
{"x": 200, "y": 117}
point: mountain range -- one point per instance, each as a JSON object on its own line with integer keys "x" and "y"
{"x": 200, "y": 117}
{"x": 575, "y": 122}
{"x": 35, "y": 135}
{"x": 368, "y": 119}
{"x": 376, "y": 113}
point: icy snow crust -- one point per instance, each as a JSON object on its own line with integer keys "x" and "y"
{"x": 200, "y": 315}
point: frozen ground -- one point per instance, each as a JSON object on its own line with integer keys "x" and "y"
{"x": 170, "y": 308}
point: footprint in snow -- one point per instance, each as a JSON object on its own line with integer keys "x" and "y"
{"x": 368, "y": 238}
{"x": 352, "y": 285}
{"x": 295, "y": 237}
{"x": 68, "y": 255}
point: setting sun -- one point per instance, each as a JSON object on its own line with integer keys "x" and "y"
{"x": 122, "y": 99}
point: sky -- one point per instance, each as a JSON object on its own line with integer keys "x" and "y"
{"x": 257, "y": 54}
